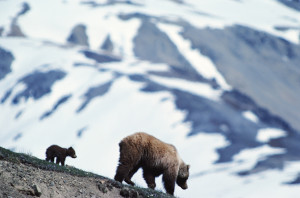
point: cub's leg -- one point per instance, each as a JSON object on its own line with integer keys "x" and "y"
{"x": 57, "y": 160}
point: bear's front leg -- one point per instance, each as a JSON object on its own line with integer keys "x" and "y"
{"x": 131, "y": 173}
{"x": 57, "y": 160}
{"x": 122, "y": 172}
{"x": 149, "y": 178}
{"x": 169, "y": 179}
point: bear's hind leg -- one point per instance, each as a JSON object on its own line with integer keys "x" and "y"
{"x": 57, "y": 160}
{"x": 149, "y": 178}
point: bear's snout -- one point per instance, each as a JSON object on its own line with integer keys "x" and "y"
{"x": 74, "y": 156}
{"x": 184, "y": 187}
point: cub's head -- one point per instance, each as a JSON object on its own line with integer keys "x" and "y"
{"x": 183, "y": 175}
{"x": 71, "y": 152}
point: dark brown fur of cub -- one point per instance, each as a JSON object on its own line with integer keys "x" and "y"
{"x": 59, "y": 153}
{"x": 155, "y": 157}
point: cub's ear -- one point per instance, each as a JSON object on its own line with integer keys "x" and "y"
{"x": 70, "y": 147}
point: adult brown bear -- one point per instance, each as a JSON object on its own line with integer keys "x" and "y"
{"x": 60, "y": 154}
{"x": 155, "y": 157}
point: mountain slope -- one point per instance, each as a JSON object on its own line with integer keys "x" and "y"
{"x": 217, "y": 79}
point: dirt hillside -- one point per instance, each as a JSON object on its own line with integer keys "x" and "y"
{"x": 22, "y": 175}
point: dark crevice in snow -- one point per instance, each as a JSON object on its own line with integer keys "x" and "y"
{"x": 17, "y": 137}
{"x": 6, "y": 96}
{"x": 295, "y": 4}
{"x": 81, "y": 131}
{"x": 6, "y": 59}
{"x": 61, "y": 101}
{"x": 94, "y": 92}
{"x": 37, "y": 84}
{"x": 295, "y": 181}
{"x": 18, "y": 114}
{"x": 110, "y": 3}
{"x": 100, "y": 58}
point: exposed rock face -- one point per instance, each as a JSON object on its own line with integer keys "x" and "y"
{"x": 99, "y": 57}
{"x": 6, "y": 59}
{"x": 78, "y": 35}
{"x": 260, "y": 65}
{"x": 1, "y": 31}
{"x": 295, "y": 4}
{"x": 154, "y": 45}
{"x": 15, "y": 29}
{"x": 107, "y": 44}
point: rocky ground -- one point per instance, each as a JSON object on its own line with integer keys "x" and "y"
{"x": 25, "y": 176}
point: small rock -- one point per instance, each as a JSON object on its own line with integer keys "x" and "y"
{"x": 124, "y": 192}
{"x": 1, "y": 156}
{"x": 116, "y": 184}
{"x": 109, "y": 187}
{"x": 37, "y": 190}
{"x": 24, "y": 190}
{"x": 129, "y": 193}
{"x": 102, "y": 188}
{"x": 134, "y": 194}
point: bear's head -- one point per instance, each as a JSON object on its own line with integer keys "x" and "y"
{"x": 183, "y": 175}
{"x": 71, "y": 152}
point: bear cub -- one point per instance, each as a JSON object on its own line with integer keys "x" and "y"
{"x": 155, "y": 157}
{"x": 60, "y": 154}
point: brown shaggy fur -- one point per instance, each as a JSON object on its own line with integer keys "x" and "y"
{"x": 60, "y": 154}
{"x": 155, "y": 157}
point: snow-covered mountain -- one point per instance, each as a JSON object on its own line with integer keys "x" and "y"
{"x": 219, "y": 79}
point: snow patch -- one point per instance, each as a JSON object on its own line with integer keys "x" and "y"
{"x": 251, "y": 116}
{"x": 265, "y": 135}
{"x": 201, "y": 89}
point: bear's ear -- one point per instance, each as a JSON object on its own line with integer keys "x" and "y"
{"x": 70, "y": 148}
{"x": 188, "y": 167}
